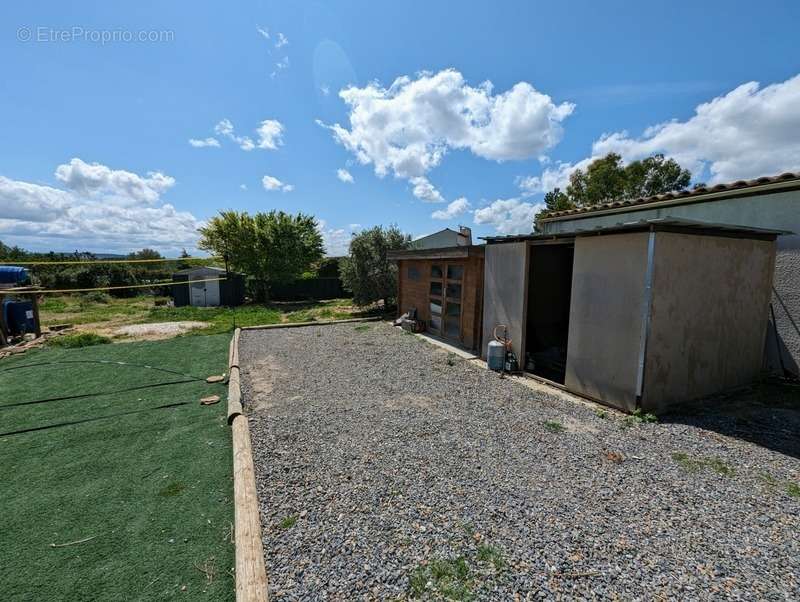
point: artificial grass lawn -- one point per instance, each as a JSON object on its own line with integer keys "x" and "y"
{"x": 153, "y": 489}
{"x": 77, "y": 309}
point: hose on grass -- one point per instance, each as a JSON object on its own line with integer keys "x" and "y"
{"x": 106, "y": 362}
{"x": 97, "y": 394}
{"x": 71, "y": 422}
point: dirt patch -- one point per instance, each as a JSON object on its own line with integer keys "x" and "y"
{"x": 262, "y": 375}
{"x": 158, "y": 330}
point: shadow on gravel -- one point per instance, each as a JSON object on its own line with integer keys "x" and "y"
{"x": 767, "y": 414}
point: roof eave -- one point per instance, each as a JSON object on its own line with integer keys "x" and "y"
{"x": 782, "y": 186}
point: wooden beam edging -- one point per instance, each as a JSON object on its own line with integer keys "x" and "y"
{"x": 320, "y": 323}
{"x": 251, "y": 573}
{"x": 234, "y": 385}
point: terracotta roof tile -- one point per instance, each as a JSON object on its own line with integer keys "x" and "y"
{"x": 699, "y": 191}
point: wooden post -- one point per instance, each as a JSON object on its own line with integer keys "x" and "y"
{"x": 3, "y": 338}
{"x": 36, "y": 323}
{"x": 234, "y": 386}
{"x": 251, "y": 573}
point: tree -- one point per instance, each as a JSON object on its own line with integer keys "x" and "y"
{"x": 367, "y": 271}
{"x": 145, "y": 254}
{"x": 272, "y": 247}
{"x": 607, "y": 179}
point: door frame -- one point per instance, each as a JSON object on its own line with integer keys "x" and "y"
{"x": 443, "y": 300}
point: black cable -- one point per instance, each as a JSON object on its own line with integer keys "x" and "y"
{"x": 52, "y": 426}
{"x": 108, "y": 362}
{"x": 98, "y": 394}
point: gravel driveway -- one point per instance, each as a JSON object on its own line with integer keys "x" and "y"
{"x": 388, "y": 468}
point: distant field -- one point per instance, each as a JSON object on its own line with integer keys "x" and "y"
{"x": 106, "y": 314}
{"x": 125, "y": 494}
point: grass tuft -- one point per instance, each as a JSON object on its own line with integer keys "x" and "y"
{"x": 487, "y": 553}
{"x": 696, "y": 464}
{"x": 554, "y": 426}
{"x": 793, "y": 489}
{"x": 442, "y": 578}
{"x": 362, "y": 328}
{"x": 288, "y": 522}
{"x": 78, "y": 339}
{"x": 639, "y": 417}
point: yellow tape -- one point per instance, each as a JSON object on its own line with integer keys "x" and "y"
{"x": 160, "y": 283}
{"x": 97, "y": 261}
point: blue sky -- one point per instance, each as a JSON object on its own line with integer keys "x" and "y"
{"x": 95, "y": 136}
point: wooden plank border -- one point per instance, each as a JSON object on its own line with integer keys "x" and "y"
{"x": 251, "y": 573}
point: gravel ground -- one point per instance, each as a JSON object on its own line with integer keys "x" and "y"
{"x": 389, "y": 469}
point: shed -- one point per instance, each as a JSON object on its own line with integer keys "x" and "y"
{"x": 445, "y": 286}
{"x": 228, "y": 290}
{"x": 766, "y": 202}
{"x": 637, "y": 315}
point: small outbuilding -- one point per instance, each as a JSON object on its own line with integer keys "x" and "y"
{"x": 219, "y": 287}
{"x": 444, "y": 287}
{"x": 639, "y": 315}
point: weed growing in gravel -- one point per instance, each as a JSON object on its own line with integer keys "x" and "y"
{"x": 793, "y": 489}
{"x": 693, "y": 465}
{"x": 554, "y": 426}
{"x": 362, "y": 328}
{"x": 487, "y": 553}
{"x": 451, "y": 359}
{"x": 601, "y": 413}
{"x": 639, "y": 417}
{"x": 288, "y": 522}
{"x": 442, "y": 577}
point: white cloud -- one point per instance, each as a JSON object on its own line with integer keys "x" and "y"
{"x": 509, "y": 216}
{"x": 280, "y": 66}
{"x": 204, "y": 142}
{"x": 344, "y": 176}
{"x": 746, "y": 133}
{"x": 269, "y": 131}
{"x": 263, "y": 31}
{"x": 88, "y": 179}
{"x": 281, "y": 41}
{"x": 271, "y": 183}
{"x": 31, "y": 202}
{"x": 407, "y": 128}
{"x": 557, "y": 177}
{"x": 243, "y": 186}
{"x": 425, "y": 191}
{"x": 99, "y": 208}
{"x": 336, "y": 240}
{"x": 453, "y": 210}
{"x": 325, "y": 90}
{"x": 270, "y": 134}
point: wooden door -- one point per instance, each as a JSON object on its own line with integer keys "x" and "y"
{"x": 445, "y": 297}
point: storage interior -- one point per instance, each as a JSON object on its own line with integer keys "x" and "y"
{"x": 549, "y": 293}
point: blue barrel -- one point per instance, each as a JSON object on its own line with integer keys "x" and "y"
{"x": 18, "y": 316}
{"x": 12, "y": 274}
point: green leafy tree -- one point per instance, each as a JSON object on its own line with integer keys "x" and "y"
{"x": 273, "y": 247}
{"x": 607, "y": 179}
{"x": 11, "y": 253}
{"x": 367, "y": 271}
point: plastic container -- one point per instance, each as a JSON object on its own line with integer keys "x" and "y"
{"x": 18, "y": 316}
{"x": 496, "y": 355}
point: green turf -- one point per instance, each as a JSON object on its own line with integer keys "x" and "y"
{"x": 152, "y": 487}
